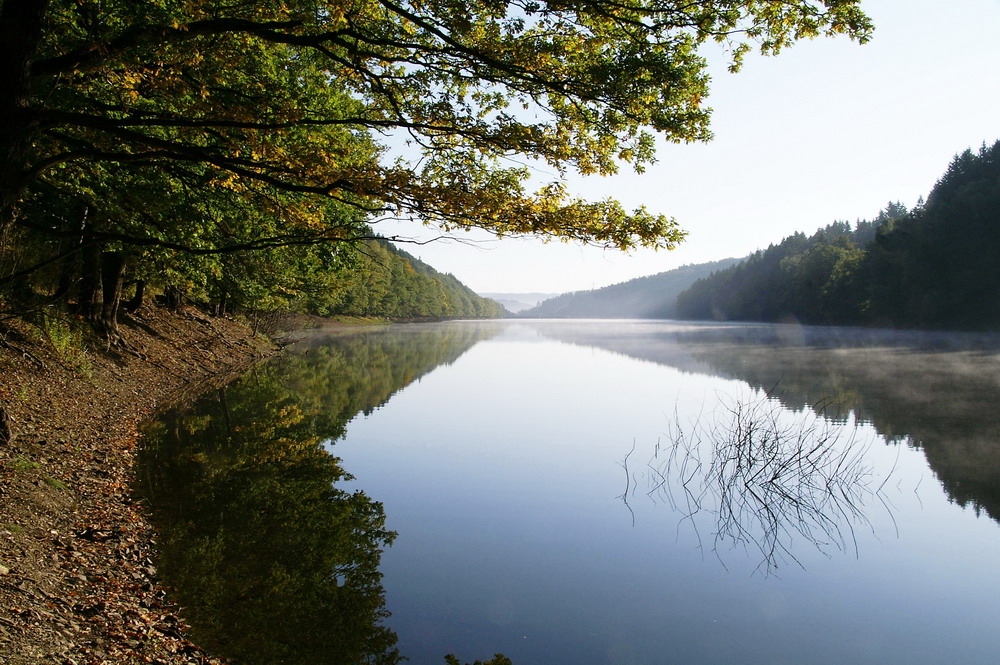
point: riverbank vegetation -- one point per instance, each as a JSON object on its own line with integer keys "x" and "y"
{"x": 935, "y": 266}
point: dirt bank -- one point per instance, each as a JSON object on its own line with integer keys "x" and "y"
{"x": 77, "y": 583}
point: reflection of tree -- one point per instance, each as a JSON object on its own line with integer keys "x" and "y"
{"x": 335, "y": 379}
{"x": 931, "y": 391}
{"x": 764, "y": 482}
{"x": 935, "y": 391}
{"x": 273, "y": 562}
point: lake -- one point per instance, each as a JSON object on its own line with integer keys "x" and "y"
{"x": 619, "y": 492}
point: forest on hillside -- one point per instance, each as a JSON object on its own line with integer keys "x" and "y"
{"x": 651, "y": 297}
{"x": 370, "y": 277}
{"x": 936, "y": 266}
{"x": 383, "y": 280}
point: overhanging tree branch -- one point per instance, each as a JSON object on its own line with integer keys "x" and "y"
{"x": 93, "y": 236}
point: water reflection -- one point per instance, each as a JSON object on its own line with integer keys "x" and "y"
{"x": 499, "y": 475}
{"x": 755, "y": 480}
{"x": 934, "y": 391}
{"x": 270, "y": 559}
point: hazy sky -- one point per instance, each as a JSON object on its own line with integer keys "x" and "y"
{"x": 828, "y": 130}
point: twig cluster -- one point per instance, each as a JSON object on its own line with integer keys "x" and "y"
{"x": 766, "y": 480}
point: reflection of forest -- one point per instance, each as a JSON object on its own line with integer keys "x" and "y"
{"x": 937, "y": 391}
{"x": 272, "y": 562}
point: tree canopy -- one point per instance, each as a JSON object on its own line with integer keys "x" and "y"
{"x": 219, "y": 148}
{"x": 277, "y": 99}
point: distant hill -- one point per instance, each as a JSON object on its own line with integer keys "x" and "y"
{"x": 517, "y": 302}
{"x": 652, "y": 297}
{"x": 387, "y": 281}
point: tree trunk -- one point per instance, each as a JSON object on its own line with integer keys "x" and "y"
{"x": 20, "y": 33}
{"x": 174, "y": 297}
{"x": 227, "y": 413}
{"x": 112, "y": 274}
{"x": 90, "y": 291}
{"x": 136, "y": 301}
{"x": 69, "y": 273}
{"x": 6, "y": 431}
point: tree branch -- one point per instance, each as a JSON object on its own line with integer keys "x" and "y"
{"x": 92, "y": 237}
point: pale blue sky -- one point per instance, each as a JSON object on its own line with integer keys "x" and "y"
{"x": 828, "y": 130}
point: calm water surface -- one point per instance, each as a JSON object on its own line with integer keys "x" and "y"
{"x": 592, "y": 492}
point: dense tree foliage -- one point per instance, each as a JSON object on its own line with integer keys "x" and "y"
{"x": 272, "y": 559}
{"x": 800, "y": 277}
{"x": 169, "y": 142}
{"x": 375, "y": 279}
{"x": 390, "y": 282}
{"x": 939, "y": 267}
{"x": 652, "y": 297}
{"x": 936, "y": 266}
{"x": 497, "y": 659}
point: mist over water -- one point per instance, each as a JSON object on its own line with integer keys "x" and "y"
{"x": 658, "y": 492}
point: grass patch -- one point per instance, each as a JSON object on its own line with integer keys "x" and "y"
{"x": 69, "y": 340}
{"x": 55, "y": 482}
{"x": 22, "y": 463}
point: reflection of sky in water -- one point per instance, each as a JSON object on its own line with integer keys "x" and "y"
{"x": 501, "y": 473}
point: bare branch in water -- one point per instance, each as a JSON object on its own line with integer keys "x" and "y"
{"x": 767, "y": 481}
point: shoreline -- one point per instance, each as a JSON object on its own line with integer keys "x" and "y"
{"x": 77, "y": 582}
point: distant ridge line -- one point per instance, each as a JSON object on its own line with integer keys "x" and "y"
{"x": 649, "y": 297}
